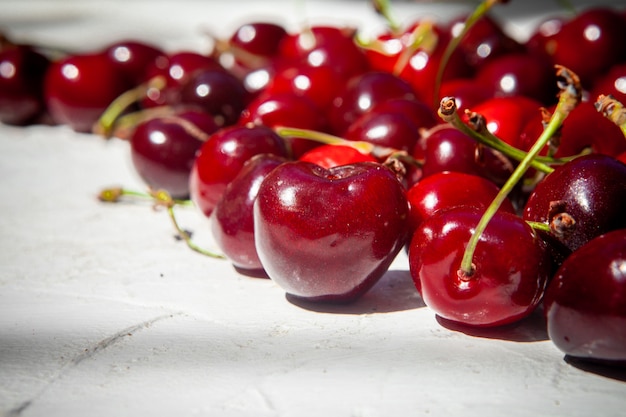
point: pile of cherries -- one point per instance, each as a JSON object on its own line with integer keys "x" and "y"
{"x": 318, "y": 156}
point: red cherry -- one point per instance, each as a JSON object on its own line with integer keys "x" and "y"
{"x": 223, "y": 155}
{"x": 520, "y": 74}
{"x": 232, "y": 223}
{"x": 258, "y": 38}
{"x": 22, "y": 71}
{"x": 511, "y": 267}
{"x": 581, "y": 199}
{"x": 467, "y": 92}
{"x": 329, "y": 234}
{"x": 216, "y": 92}
{"x": 418, "y": 112}
{"x": 329, "y": 156}
{"x": 163, "y": 150}
{"x": 391, "y": 130}
{"x": 134, "y": 58}
{"x": 328, "y": 46}
{"x": 507, "y": 117}
{"x": 449, "y": 189}
{"x": 590, "y": 43}
{"x": 585, "y": 304}
{"x": 611, "y": 83}
{"x": 363, "y": 93}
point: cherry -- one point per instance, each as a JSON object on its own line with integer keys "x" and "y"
{"x": 232, "y": 223}
{"x": 519, "y": 74}
{"x": 221, "y": 157}
{"x": 466, "y": 92}
{"x": 449, "y": 189}
{"x": 612, "y": 82}
{"x": 22, "y": 71}
{"x": 581, "y": 199}
{"x": 216, "y": 92}
{"x": 329, "y": 156}
{"x": 418, "y": 112}
{"x": 285, "y": 110}
{"x": 134, "y": 58}
{"x": 319, "y": 84}
{"x": 585, "y": 304}
{"x": 163, "y": 149}
{"x": 585, "y": 129}
{"x": 361, "y": 94}
{"x": 511, "y": 267}
{"x": 484, "y": 41}
{"x": 506, "y": 117}
{"x": 176, "y": 69}
{"x": 328, "y": 46}
{"x": 391, "y": 130}
{"x": 328, "y": 235}
{"x": 541, "y": 41}
{"x": 590, "y": 43}
{"x": 258, "y": 38}
{"x": 445, "y": 148}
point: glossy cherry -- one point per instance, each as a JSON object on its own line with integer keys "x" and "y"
{"x": 585, "y": 304}
{"x": 163, "y": 149}
{"x": 135, "y": 58}
{"x": 216, "y": 92}
{"x": 361, "y": 94}
{"x": 511, "y": 267}
{"x": 386, "y": 129}
{"x": 232, "y": 222}
{"x": 222, "y": 156}
{"x": 329, "y": 156}
{"x": 444, "y": 190}
{"x": 78, "y": 88}
{"x": 581, "y": 199}
{"x": 259, "y": 38}
{"x": 22, "y": 71}
{"x": 329, "y": 235}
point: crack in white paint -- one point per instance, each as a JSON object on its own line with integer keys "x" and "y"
{"x": 86, "y": 354}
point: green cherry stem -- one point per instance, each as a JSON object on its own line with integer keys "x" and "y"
{"x": 478, "y": 13}
{"x": 448, "y": 113}
{"x": 383, "y": 8}
{"x": 160, "y": 198}
{"x": 569, "y": 97}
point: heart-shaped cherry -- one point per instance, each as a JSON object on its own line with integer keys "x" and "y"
{"x": 329, "y": 234}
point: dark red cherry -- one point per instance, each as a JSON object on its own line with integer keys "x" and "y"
{"x": 223, "y": 155}
{"x": 585, "y": 304}
{"x": 520, "y": 74}
{"x": 581, "y": 199}
{"x": 418, "y": 112}
{"x": 135, "y": 58}
{"x": 258, "y": 38}
{"x": 467, "y": 92}
{"x": 78, "y": 88}
{"x": 328, "y": 156}
{"x": 163, "y": 149}
{"x": 361, "y": 94}
{"x": 232, "y": 222}
{"x": 511, "y": 267}
{"x": 216, "y": 92}
{"x": 611, "y": 83}
{"x": 448, "y": 189}
{"x": 390, "y": 130}
{"x": 22, "y": 71}
{"x": 445, "y": 148}
{"x": 176, "y": 69}
{"x": 590, "y": 43}
{"x": 485, "y": 41}
{"x": 541, "y": 41}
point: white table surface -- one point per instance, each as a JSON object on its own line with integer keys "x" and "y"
{"x": 104, "y": 313}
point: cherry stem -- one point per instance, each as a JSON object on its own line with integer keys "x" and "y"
{"x": 448, "y": 112}
{"x": 569, "y": 97}
{"x": 377, "y": 151}
{"x": 423, "y": 37}
{"x": 480, "y": 10}
{"x": 383, "y": 8}
{"x": 105, "y": 125}
{"x": 539, "y": 226}
{"x": 161, "y": 198}
{"x": 612, "y": 109}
